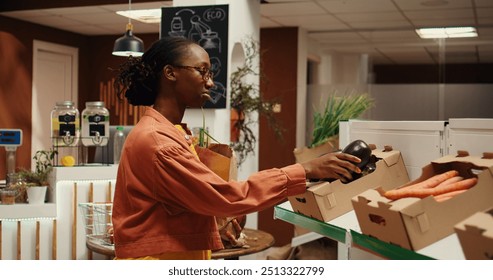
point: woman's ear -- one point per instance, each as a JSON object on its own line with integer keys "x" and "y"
{"x": 169, "y": 73}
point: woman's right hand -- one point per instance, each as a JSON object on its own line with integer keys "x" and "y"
{"x": 335, "y": 165}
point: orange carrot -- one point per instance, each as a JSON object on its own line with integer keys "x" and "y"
{"x": 426, "y": 184}
{"x": 447, "y": 196}
{"x": 451, "y": 180}
{"x": 424, "y": 192}
{"x": 436, "y": 180}
{"x": 461, "y": 185}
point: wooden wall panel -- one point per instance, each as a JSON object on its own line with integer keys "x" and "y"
{"x": 279, "y": 63}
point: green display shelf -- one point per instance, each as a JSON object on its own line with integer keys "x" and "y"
{"x": 384, "y": 249}
{"x": 331, "y": 231}
{"x": 345, "y": 229}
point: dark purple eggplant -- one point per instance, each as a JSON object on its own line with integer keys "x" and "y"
{"x": 360, "y": 149}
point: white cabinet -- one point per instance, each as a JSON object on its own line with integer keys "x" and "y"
{"x": 419, "y": 142}
{"x": 472, "y": 135}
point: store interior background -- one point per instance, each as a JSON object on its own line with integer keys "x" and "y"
{"x": 312, "y": 48}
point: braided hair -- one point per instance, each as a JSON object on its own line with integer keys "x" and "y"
{"x": 138, "y": 77}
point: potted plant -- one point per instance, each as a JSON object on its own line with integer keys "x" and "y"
{"x": 247, "y": 98}
{"x": 36, "y": 182}
{"x": 325, "y": 136}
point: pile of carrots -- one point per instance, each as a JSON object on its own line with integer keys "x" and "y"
{"x": 442, "y": 187}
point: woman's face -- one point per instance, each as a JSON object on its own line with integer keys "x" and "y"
{"x": 193, "y": 79}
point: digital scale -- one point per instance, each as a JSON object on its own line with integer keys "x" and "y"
{"x": 10, "y": 139}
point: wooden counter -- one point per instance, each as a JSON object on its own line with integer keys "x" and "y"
{"x": 256, "y": 240}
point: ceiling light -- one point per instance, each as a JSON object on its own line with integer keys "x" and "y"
{"x": 447, "y": 32}
{"x": 145, "y": 16}
{"x": 128, "y": 44}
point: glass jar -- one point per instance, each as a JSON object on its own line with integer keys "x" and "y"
{"x": 95, "y": 124}
{"x": 7, "y": 197}
{"x": 17, "y": 185}
{"x": 65, "y": 124}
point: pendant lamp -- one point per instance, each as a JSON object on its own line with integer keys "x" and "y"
{"x": 128, "y": 44}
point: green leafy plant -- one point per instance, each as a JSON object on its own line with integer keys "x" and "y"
{"x": 247, "y": 98}
{"x": 204, "y": 136}
{"x": 43, "y": 167}
{"x": 337, "y": 108}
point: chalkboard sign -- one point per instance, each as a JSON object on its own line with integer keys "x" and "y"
{"x": 208, "y": 26}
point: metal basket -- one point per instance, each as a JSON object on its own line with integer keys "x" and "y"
{"x": 97, "y": 220}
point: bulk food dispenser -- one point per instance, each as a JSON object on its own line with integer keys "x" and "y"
{"x": 95, "y": 124}
{"x": 73, "y": 134}
{"x": 95, "y": 128}
{"x": 65, "y": 124}
{"x": 65, "y": 131}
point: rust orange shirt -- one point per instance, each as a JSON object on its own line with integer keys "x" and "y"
{"x": 166, "y": 199}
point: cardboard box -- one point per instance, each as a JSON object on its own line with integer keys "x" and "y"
{"x": 325, "y": 201}
{"x": 305, "y": 153}
{"x": 476, "y": 236}
{"x": 415, "y": 223}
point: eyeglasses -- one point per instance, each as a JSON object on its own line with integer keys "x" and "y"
{"x": 205, "y": 72}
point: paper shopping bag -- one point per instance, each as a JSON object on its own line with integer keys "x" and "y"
{"x": 219, "y": 158}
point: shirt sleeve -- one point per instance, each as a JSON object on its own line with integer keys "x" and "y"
{"x": 182, "y": 181}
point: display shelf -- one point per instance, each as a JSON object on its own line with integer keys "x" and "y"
{"x": 286, "y": 214}
{"x": 384, "y": 249}
{"x": 25, "y": 211}
{"x": 447, "y": 248}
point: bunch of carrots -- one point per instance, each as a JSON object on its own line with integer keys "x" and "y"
{"x": 442, "y": 187}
